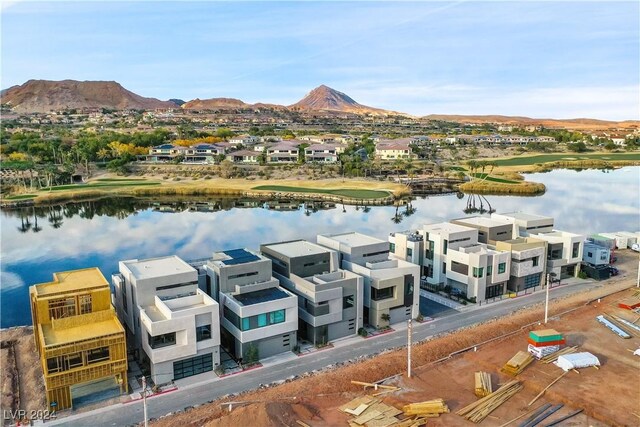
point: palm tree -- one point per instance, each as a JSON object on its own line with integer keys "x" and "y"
{"x": 26, "y": 225}
{"x": 36, "y": 228}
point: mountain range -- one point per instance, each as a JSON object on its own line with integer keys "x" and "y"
{"x": 41, "y": 96}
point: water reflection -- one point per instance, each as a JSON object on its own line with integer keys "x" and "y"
{"x": 41, "y": 240}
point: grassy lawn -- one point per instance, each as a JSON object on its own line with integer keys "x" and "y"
{"x": 546, "y": 158}
{"x": 98, "y": 185}
{"x": 20, "y": 197}
{"x": 121, "y": 179}
{"x": 486, "y": 177}
{"x": 457, "y": 168}
{"x": 345, "y": 192}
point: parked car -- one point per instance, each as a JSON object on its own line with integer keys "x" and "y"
{"x": 614, "y": 271}
{"x": 456, "y": 292}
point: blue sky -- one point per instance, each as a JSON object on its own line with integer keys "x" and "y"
{"x": 540, "y": 59}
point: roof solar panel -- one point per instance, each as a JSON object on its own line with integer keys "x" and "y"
{"x": 239, "y": 256}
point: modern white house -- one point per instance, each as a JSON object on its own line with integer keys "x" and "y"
{"x": 528, "y": 262}
{"x": 391, "y": 286}
{"x": 329, "y": 298}
{"x": 257, "y": 313}
{"x": 525, "y": 224}
{"x": 564, "y": 252}
{"x": 174, "y": 325}
{"x": 454, "y": 258}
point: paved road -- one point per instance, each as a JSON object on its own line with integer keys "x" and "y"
{"x": 132, "y": 413}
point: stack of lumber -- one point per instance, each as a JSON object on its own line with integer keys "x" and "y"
{"x": 517, "y": 363}
{"x": 428, "y": 409}
{"x": 370, "y": 412}
{"x": 554, "y": 356}
{"x": 480, "y": 409}
{"x": 483, "y": 384}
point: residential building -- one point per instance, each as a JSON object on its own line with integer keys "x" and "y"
{"x": 244, "y": 156}
{"x": 256, "y": 311}
{"x": 564, "y": 252}
{"x": 175, "y": 326}
{"x": 391, "y": 286}
{"x": 595, "y": 254}
{"x": 525, "y": 224}
{"x": 322, "y": 153}
{"x": 489, "y": 230}
{"x": 203, "y": 153}
{"x": 165, "y": 153}
{"x": 407, "y": 246}
{"x": 528, "y": 262}
{"x": 283, "y": 152}
{"x": 78, "y": 337}
{"x": 329, "y": 298}
{"x": 244, "y": 140}
{"x": 394, "y": 149}
{"x": 454, "y": 258}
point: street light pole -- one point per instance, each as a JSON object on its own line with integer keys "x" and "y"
{"x": 409, "y": 349}
{"x": 144, "y": 400}
{"x": 546, "y": 301}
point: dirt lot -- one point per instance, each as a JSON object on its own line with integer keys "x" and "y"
{"x": 22, "y": 383}
{"x": 608, "y": 396}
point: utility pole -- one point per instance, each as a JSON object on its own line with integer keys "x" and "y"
{"x": 409, "y": 349}
{"x": 144, "y": 400}
{"x": 638, "y": 283}
{"x": 546, "y": 299}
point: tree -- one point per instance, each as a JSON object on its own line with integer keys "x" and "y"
{"x": 578, "y": 147}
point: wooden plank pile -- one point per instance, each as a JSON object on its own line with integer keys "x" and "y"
{"x": 517, "y": 363}
{"x": 554, "y": 356}
{"x": 483, "y": 384}
{"x": 427, "y": 409}
{"x": 480, "y": 409}
{"x": 370, "y": 412}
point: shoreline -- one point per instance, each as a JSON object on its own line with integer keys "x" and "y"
{"x": 150, "y": 185}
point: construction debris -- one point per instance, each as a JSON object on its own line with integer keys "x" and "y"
{"x": 630, "y": 303}
{"x": 618, "y": 331}
{"x": 633, "y": 327}
{"x": 375, "y": 386}
{"x": 545, "y": 414}
{"x": 480, "y": 409}
{"x": 566, "y": 417}
{"x": 554, "y": 356}
{"x": 429, "y": 408}
{"x": 547, "y": 387}
{"x": 577, "y": 360}
{"x": 483, "y": 384}
{"x": 545, "y": 342}
{"x": 517, "y": 363}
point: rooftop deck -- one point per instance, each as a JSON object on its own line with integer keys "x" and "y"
{"x": 158, "y": 267}
{"x": 84, "y": 327}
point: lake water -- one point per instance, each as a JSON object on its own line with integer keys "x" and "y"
{"x": 38, "y": 242}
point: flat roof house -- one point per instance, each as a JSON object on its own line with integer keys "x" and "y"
{"x": 329, "y": 299}
{"x": 454, "y": 258}
{"x": 391, "y": 286}
{"x": 256, "y": 312}
{"x": 489, "y": 230}
{"x": 525, "y": 224}
{"x": 78, "y": 336}
{"x": 175, "y": 325}
{"x": 528, "y": 262}
{"x": 564, "y": 252}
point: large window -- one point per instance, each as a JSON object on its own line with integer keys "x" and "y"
{"x": 98, "y": 355}
{"x": 429, "y": 254}
{"x": 348, "y": 301}
{"x": 62, "y": 307}
{"x": 489, "y": 270}
{"x": 536, "y": 261}
{"x": 502, "y": 267}
{"x": 478, "y": 271}
{"x": 163, "y": 340}
{"x": 203, "y": 333}
{"x": 392, "y": 247}
{"x": 494, "y": 291}
{"x": 193, "y": 366}
{"x": 254, "y": 322}
{"x": 85, "y": 303}
{"x": 409, "y": 252}
{"x": 446, "y": 243}
{"x": 576, "y": 250}
{"x": 237, "y": 276}
{"x": 380, "y": 294}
